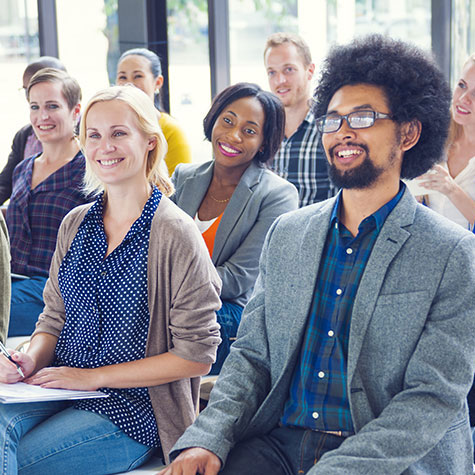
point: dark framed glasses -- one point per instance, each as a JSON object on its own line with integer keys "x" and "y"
{"x": 330, "y": 123}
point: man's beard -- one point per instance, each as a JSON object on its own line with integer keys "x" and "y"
{"x": 360, "y": 177}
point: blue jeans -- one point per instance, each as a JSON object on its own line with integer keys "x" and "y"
{"x": 229, "y": 317}
{"x": 284, "y": 451}
{"x": 53, "y": 437}
{"x": 26, "y": 305}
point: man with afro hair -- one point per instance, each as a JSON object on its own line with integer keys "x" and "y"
{"x": 357, "y": 349}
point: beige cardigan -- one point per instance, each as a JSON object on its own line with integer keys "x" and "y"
{"x": 183, "y": 295}
{"x": 5, "y": 281}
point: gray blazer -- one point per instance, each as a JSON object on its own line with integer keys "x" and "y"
{"x": 260, "y": 197}
{"x": 411, "y": 355}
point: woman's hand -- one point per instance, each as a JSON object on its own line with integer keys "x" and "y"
{"x": 8, "y": 370}
{"x": 63, "y": 377}
{"x": 439, "y": 179}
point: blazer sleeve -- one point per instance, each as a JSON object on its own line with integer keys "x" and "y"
{"x": 239, "y": 272}
{"x": 437, "y": 380}
{"x": 243, "y": 384}
{"x": 14, "y": 158}
{"x": 5, "y": 281}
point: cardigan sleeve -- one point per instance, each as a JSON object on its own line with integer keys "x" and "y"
{"x": 5, "y": 281}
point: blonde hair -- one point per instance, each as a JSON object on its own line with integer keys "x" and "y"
{"x": 147, "y": 119}
{"x": 277, "y": 39}
{"x": 455, "y": 130}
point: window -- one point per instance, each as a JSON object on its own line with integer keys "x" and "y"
{"x": 189, "y": 73}
{"x": 320, "y": 23}
{"x": 19, "y": 45}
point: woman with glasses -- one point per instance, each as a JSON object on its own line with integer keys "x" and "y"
{"x": 451, "y": 185}
{"x": 234, "y": 198}
{"x": 45, "y": 188}
{"x": 142, "y": 68}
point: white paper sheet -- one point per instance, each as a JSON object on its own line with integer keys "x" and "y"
{"x": 22, "y": 392}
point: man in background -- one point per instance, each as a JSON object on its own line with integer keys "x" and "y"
{"x": 301, "y": 158}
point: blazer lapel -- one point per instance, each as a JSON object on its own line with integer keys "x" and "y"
{"x": 236, "y": 206}
{"x": 194, "y": 190}
{"x": 302, "y": 287}
{"x": 390, "y": 240}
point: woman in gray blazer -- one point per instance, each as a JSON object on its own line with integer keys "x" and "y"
{"x": 234, "y": 198}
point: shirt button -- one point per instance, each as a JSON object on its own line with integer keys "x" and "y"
{"x": 349, "y": 251}
{"x": 331, "y": 333}
{"x": 339, "y": 291}
{"x": 89, "y": 349}
{"x": 321, "y": 374}
{"x": 103, "y": 273}
{"x": 315, "y": 415}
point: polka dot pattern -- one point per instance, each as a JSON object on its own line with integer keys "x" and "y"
{"x": 107, "y": 315}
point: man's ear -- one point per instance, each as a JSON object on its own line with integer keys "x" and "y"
{"x": 410, "y": 134}
{"x": 311, "y": 70}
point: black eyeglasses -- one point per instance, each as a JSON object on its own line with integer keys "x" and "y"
{"x": 330, "y": 123}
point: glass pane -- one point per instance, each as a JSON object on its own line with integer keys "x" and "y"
{"x": 320, "y": 23}
{"x": 87, "y": 31}
{"x": 189, "y": 72}
{"x": 19, "y": 44}
{"x": 463, "y": 35}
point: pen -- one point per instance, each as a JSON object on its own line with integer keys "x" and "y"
{"x": 5, "y": 352}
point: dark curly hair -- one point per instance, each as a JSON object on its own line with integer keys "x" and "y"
{"x": 274, "y": 113}
{"x": 414, "y": 86}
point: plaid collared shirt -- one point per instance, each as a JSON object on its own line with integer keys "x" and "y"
{"x": 301, "y": 160}
{"x": 34, "y": 216}
{"x": 318, "y": 396}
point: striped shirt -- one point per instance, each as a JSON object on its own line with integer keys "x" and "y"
{"x": 301, "y": 160}
{"x": 34, "y": 216}
{"x": 318, "y": 397}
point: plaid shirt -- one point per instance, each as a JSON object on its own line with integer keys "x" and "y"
{"x": 301, "y": 160}
{"x": 34, "y": 216}
{"x": 318, "y": 397}
{"x": 32, "y": 146}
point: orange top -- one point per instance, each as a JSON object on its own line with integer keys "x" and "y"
{"x": 210, "y": 234}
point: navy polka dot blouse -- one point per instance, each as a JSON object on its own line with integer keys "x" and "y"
{"x": 107, "y": 315}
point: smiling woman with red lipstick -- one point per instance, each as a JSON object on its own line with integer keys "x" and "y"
{"x": 454, "y": 181}
{"x": 234, "y": 198}
{"x": 45, "y": 188}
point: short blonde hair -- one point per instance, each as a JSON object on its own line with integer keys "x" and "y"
{"x": 277, "y": 39}
{"x": 455, "y": 130}
{"x": 147, "y": 119}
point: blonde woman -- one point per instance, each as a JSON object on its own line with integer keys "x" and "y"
{"x": 130, "y": 310}
{"x": 455, "y": 180}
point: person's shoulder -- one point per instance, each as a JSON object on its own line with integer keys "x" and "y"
{"x": 185, "y": 170}
{"x": 24, "y": 132}
{"x": 23, "y": 165}
{"x": 77, "y": 213}
{"x": 274, "y": 180}
{"x": 169, "y": 214}
{"x": 172, "y": 225}
{"x": 170, "y": 125}
{"x": 301, "y": 216}
{"x": 433, "y": 226}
